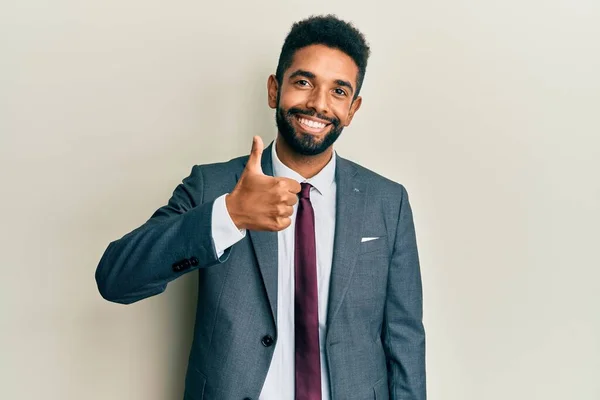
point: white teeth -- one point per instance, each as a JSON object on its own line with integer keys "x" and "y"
{"x": 312, "y": 124}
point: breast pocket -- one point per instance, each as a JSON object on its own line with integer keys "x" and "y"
{"x": 370, "y": 245}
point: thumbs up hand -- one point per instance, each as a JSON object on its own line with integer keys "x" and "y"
{"x": 261, "y": 202}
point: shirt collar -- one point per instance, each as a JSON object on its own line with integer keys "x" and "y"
{"x": 322, "y": 181}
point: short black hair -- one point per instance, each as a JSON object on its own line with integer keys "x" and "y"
{"x": 330, "y": 31}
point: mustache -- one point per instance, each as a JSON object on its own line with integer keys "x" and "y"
{"x": 293, "y": 111}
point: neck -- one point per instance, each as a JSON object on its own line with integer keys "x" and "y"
{"x": 307, "y": 166}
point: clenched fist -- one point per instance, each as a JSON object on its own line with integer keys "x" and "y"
{"x": 260, "y": 202}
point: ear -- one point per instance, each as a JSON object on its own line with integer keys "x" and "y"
{"x": 356, "y": 103}
{"x": 272, "y": 88}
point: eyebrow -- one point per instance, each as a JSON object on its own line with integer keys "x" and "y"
{"x": 310, "y": 75}
{"x": 345, "y": 84}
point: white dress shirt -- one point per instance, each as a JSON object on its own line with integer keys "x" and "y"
{"x": 280, "y": 381}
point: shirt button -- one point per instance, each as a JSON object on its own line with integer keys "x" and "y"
{"x": 267, "y": 341}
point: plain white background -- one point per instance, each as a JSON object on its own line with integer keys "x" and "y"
{"x": 487, "y": 111}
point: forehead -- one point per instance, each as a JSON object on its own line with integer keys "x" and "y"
{"x": 326, "y": 63}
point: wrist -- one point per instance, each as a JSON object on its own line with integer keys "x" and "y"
{"x": 231, "y": 204}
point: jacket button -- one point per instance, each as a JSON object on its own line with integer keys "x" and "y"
{"x": 267, "y": 341}
{"x": 194, "y": 261}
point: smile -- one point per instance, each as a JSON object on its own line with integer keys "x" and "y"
{"x": 310, "y": 125}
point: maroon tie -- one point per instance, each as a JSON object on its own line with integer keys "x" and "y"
{"x": 306, "y": 305}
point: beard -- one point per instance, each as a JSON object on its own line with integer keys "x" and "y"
{"x": 303, "y": 143}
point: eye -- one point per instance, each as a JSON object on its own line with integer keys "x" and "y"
{"x": 302, "y": 82}
{"x": 340, "y": 92}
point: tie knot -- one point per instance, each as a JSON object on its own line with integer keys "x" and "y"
{"x": 305, "y": 190}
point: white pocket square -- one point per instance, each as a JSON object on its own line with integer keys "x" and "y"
{"x": 368, "y": 239}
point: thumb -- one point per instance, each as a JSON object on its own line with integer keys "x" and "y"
{"x": 254, "y": 161}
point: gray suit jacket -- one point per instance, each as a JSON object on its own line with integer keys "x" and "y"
{"x": 375, "y": 341}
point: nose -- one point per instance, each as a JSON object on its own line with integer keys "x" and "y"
{"x": 317, "y": 101}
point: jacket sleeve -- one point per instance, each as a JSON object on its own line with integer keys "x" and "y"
{"x": 175, "y": 240}
{"x": 403, "y": 334}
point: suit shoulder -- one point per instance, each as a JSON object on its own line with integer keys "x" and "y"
{"x": 377, "y": 182}
{"x": 219, "y": 168}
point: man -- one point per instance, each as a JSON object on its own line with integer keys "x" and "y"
{"x": 309, "y": 281}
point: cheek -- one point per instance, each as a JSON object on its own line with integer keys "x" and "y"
{"x": 342, "y": 113}
{"x": 293, "y": 98}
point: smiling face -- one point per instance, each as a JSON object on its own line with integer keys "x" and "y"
{"x": 315, "y": 99}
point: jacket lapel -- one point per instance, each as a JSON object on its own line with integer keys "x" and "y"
{"x": 350, "y": 208}
{"x": 265, "y": 245}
